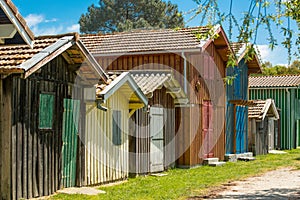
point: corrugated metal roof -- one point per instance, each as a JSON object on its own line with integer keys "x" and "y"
{"x": 149, "y": 81}
{"x": 145, "y": 40}
{"x": 274, "y": 81}
{"x": 262, "y": 109}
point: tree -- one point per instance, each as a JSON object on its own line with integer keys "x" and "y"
{"x": 269, "y": 70}
{"x": 260, "y": 14}
{"x": 123, "y": 15}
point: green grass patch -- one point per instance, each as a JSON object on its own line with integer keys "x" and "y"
{"x": 183, "y": 183}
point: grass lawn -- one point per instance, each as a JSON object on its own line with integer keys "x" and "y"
{"x": 183, "y": 183}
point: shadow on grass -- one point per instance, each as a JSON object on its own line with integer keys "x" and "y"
{"x": 275, "y": 193}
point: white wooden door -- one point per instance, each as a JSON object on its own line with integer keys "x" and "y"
{"x": 157, "y": 139}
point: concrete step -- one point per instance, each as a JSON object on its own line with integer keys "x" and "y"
{"x": 246, "y": 158}
{"x": 230, "y": 158}
{"x": 217, "y": 164}
{"x": 208, "y": 161}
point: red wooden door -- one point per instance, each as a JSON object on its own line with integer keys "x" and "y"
{"x": 207, "y": 129}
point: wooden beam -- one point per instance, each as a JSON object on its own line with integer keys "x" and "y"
{"x": 136, "y": 105}
{"x": 173, "y": 90}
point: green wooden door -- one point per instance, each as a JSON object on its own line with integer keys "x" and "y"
{"x": 70, "y": 136}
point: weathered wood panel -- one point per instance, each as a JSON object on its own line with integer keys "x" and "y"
{"x": 204, "y": 78}
{"x": 5, "y": 138}
{"x": 104, "y": 160}
{"x": 35, "y": 151}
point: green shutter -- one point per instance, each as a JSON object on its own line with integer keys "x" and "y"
{"x": 46, "y": 111}
{"x": 117, "y": 137}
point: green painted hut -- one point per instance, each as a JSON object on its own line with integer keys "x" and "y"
{"x": 285, "y": 90}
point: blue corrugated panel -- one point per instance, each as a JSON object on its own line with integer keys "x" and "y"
{"x": 237, "y": 91}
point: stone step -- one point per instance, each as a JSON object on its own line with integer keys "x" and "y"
{"x": 230, "y": 157}
{"x": 246, "y": 158}
{"x": 217, "y": 164}
{"x": 208, "y": 161}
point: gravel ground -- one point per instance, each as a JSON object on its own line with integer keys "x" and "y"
{"x": 279, "y": 184}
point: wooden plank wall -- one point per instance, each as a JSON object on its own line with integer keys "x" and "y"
{"x": 140, "y": 143}
{"x": 139, "y": 146}
{"x": 5, "y": 138}
{"x": 36, "y": 154}
{"x": 162, "y": 99}
{"x": 189, "y": 131}
{"x": 104, "y": 161}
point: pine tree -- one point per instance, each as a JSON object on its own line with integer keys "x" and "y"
{"x": 123, "y": 15}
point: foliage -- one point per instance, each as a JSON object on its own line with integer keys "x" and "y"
{"x": 260, "y": 14}
{"x": 269, "y": 70}
{"x": 123, "y": 15}
{"x": 183, "y": 183}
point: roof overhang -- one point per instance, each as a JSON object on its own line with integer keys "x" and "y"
{"x": 123, "y": 79}
{"x": 254, "y": 64}
{"x": 168, "y": 81}
{"x": 220, "y": 41}
{"x": 17, "y": 21}
{"x": 88, "y": 68}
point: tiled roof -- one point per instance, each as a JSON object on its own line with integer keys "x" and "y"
{"x": 149, "y": 81}
{"x": 12, "y": 56}
{"x": 238, "y": 48}
{"x": 144, "y": 40}
{"x": 19, "y": 17}
{"x": 274, "y": 81}
{"x": 262, "y": 108}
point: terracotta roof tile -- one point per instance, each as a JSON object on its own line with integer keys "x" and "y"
{"x": 145, "y": 40}
{"x": 262, "y": 109}
{"x": 11, "y": 56}
{"x": 274, "y": 81}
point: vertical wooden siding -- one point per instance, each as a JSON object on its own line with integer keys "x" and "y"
{"x": 140, "y": 142}
{"x": 198, "y": 64}
{"x": 104, "y": 161}
{"x": 238, "y": 90}
{"x": 287, "y": 101}
{"x": 36, "y": 153}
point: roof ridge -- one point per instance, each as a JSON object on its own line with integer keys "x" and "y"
{"x": 272, "y": 76}
{"x": 76, "y": 35}
{"x": 143, "y": 31}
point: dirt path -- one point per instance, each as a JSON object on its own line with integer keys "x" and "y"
{"x": 279, "y": 184}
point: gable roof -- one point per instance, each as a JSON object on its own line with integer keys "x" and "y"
{"x": 149, "y": 81}
{"x": 156, "y": 41}
{"x": 124, "y": 82}
{"x": 240, "y": 50}
{"x": 262, "y": 109}
{"x": 274, "y": 81}
{"x": 25, "y": 60}
{"x": 11, "y": 19}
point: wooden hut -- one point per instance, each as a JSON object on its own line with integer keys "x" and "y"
{"x": 285, "y": 90}
{"x": 42, "y": 114}
{"x": 199, "y": 62}
{"x": 237, "y": 98}
{"x": 152, "y": 144}
{"x": 107, "y": 128}
{"x": 263, "y": 126}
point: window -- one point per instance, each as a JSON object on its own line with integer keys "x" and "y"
{"x": 117, "y": 137}
{"x": 46, "y": 111}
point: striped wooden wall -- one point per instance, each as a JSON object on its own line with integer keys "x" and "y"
{"x": 104, "y": 161}
{"x": 140, "y": 142}
{"x": 201, "y": 72}
{"x": 33, "y": 167}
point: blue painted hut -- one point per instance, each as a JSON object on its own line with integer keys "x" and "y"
{"x": 237, "y": 98}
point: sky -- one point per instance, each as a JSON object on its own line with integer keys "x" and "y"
{"x": 46, "y": 17}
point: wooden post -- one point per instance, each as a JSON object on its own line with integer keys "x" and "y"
{"x": 5, "y": 139}
{"x": 234, "y": 128}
